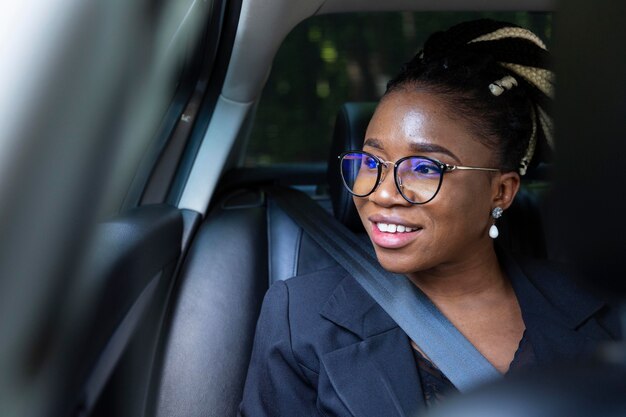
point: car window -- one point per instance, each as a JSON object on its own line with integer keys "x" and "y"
{"x": 330, "y": 59}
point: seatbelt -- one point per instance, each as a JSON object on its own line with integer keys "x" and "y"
{"x": 406, "y": 304}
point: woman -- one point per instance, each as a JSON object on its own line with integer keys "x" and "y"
{"x": 441, "y": 161}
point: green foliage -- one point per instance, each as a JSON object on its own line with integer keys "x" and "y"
{"x": 331, "y": 59}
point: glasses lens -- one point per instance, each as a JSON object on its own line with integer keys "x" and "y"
{"x": 419, "y": 179}
{"x": 359, "y": 172}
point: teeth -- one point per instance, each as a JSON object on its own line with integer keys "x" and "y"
{"x": 393, "y": 228}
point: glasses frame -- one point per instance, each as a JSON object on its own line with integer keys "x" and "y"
{"x": 380, "y": 163}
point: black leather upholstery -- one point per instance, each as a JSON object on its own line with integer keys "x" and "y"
{"x": 284, "y": 238}
{"x": 211, "y": 328}
{"x": 291, "y": 251}
{"x": 350, "y": 127}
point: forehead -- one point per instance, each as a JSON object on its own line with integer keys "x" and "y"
{"x": 407, "y": 120}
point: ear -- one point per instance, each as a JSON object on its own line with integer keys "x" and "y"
{"x": 504, "y": 187}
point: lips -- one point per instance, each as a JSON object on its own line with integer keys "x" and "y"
{"x": 392, "y": 232}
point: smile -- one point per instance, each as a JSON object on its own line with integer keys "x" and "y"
{"x": 393, "y": 235}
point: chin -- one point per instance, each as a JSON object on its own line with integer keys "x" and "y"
{"x": 396, "y": 264}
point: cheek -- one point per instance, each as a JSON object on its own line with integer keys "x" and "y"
{"x": 358, "y": 203}
{"x": 462, "y": 211}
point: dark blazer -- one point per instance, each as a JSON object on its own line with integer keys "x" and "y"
{"x": 324, "y": 347}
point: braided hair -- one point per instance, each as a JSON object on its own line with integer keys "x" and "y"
{"x": 495, "y": 76}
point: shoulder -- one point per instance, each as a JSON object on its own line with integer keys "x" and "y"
{"x": 300, "y": 306}
{"x": 316, "y": 286}
{"x": 291, "y": 308}
{"x": 306, "y": 296}
{"x": 306, "y": 292}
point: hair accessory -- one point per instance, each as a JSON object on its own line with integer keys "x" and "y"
{"x": 498, "y": 87}
{"x": 496, "y": 213}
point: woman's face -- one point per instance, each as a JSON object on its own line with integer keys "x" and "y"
{"x": 453, "y": 227}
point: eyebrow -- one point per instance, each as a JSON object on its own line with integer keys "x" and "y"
{"x": 416, "y": 147}
{"x": 373, "y": 143}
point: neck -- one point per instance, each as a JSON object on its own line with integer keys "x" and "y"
{"x": 478, "y": 274}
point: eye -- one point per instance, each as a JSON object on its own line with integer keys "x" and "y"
{"x": 370, "y": 162}
{"x": 426, "y": 168}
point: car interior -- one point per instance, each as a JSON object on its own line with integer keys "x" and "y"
{"x": 169, "y": 237}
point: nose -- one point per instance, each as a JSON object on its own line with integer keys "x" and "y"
{"x": 386, "y": 194}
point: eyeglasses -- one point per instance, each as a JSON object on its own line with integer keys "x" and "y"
{"x": 417, "y": 178}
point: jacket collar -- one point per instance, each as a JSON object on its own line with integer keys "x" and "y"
{"x": 352, "y": 308}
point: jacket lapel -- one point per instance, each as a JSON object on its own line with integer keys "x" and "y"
{"x": 377, "y": 375}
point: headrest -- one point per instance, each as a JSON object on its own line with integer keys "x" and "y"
{"x": 350, "y": 127}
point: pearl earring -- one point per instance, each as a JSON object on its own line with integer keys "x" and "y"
{"x": 496, "y": 213}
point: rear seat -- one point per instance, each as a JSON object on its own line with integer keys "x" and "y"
{"x": 245, "y": 244}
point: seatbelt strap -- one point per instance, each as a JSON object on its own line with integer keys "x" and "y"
{"x": 409, "y": 307}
